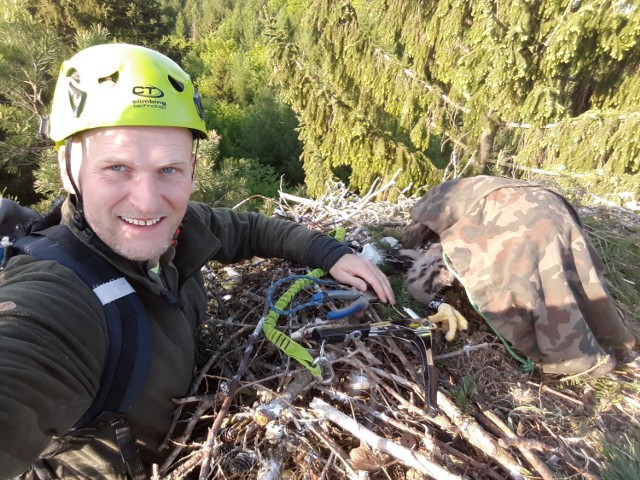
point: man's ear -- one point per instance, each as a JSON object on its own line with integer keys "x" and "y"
{"x": 62, "y": 165}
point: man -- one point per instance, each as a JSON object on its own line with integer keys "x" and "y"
{"x": 528, "y": 266}
{"x": 124, "y": 120}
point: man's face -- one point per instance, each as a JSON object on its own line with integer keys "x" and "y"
{"x": 135, "y": 184}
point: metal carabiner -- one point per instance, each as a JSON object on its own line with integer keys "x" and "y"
{"x": 327, "y": 373}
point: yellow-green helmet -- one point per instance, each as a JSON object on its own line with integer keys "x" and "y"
{"x": 123, "y": 85}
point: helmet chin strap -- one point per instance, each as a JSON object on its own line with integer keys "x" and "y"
{"x": 78, "y": 216}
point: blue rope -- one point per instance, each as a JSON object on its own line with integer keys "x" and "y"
{"x": 289, "y": 311}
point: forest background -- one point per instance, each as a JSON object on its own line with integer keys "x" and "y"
{"x": 299, "y": 91}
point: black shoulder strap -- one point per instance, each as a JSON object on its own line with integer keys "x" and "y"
{"x": 129, "y": 347}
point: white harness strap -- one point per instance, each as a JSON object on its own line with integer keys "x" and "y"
{"x": 113, "y": 290}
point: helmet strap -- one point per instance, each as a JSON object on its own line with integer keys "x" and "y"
{"x": 195, "y": 158}
{"x": 78, "y": 216}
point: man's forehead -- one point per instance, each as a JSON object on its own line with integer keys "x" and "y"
{"x": 133, "y": 132}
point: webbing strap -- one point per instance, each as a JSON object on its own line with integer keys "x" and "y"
{"x": 127, "y": 446}
{"x": 129, "y": 331}
{"x": 289, "y": 346}
{"x": 113, "y": 290}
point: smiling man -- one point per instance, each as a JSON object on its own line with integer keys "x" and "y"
{"x": 136, "y": 183}
{"x": 125, "y": 120}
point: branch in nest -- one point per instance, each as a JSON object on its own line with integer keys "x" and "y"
{"x": 205, "y": 467}
{"x": 408, "y": 457}
{"x": 272, "y": 410}
{"x": 523, "y": 444}
{"x": 479, "y": 438}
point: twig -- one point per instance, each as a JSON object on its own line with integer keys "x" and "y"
{"x": 192, "y": 391}
{"x": 513, "y": 440}
{"x": 427, "y": 440}
{"x": 431, "y": 443}
{"x": 248, "y": 199}
{"x": 205, "y": 467}
{"x": 546, "y": 388}
{"x": 327, "y": 466}
{"x": 336, "y": 451}
{"x": 272, "y": 466}
{"x": 268, "y": 412}
{"x": 462, "y": 351}
{"x": 371, "y": 194}
{"x": 471, "y": 462}
{"x": 479, "y": 438}
{"x": 374, "y": 441}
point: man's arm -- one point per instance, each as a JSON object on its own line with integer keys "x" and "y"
{"x": 243, "y": 235}
{"x": 52, "y": 349}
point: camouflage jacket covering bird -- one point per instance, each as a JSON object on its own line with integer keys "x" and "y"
{"x": 524, "y": 259}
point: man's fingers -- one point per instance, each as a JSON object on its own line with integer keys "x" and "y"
{"x": 360, "y": 273}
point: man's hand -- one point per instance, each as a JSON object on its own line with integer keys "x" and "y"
{"x": 452, "y": 320}
{"x": 360, "y": 273}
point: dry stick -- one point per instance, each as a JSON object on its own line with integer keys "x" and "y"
{"x": 361, "y": 204}
{"x": 272, "y": 466}
{"x": 462, "y": 351}
{"x": 434, "y": 446}
{"x": 327, "y": 466}
{"x": 471, "y": 463}
{"x": 205, "y": 467}
{"x": 370, "y": 194}
{"x": 427, "y": 440}
{"x": 563, "y": 447}
{"x": 469, "y": 429}
{"x": 195, "y": 386}
{"x": 408, "y": 457}
{"x": 203, "y": 407}
{"x": 271, "y": 410}
{"x": 546, "y": 388}
{"x": 441, "y": 421}
{"x": 535, "y": 462}
{"x": 530, "y": 443}
{"x": 187, "y": 465}
{"x": 478, "y": 437}
{"x": 335, "y": 450}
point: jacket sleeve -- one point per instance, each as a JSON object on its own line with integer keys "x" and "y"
{"x": 245, "y": 235}
{"x": 52, "y": 350}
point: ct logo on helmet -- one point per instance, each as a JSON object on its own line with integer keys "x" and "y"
{"x": 147, "y": 91}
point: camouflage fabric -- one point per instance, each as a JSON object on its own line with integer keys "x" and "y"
{"x": 521, "y": 253}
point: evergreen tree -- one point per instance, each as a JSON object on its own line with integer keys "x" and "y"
{"x": 228, "y": 63}
{"x": 145, "y": 22}
{"x": 30, "y": 56}
{"x": 384, "y": 85}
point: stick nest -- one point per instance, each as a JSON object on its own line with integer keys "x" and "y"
{"x": 255, "y": 413}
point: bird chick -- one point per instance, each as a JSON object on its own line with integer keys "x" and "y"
{"x": 428, "y": 275}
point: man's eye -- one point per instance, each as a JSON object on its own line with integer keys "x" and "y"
{"x": 117, "y": 168}
{"x": 168, "y": 170}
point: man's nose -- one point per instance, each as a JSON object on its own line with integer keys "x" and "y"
{"x": 145, "y": 193}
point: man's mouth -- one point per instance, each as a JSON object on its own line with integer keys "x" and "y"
{"x": 141, "y": 221}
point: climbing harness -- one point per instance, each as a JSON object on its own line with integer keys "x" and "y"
{"x": 129, "y": 337}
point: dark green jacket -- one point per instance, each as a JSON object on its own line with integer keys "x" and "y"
{"x": 53, "y": 337}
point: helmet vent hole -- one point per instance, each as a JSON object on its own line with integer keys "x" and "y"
{"x": 179, "y": 86}
{"x": 110, "y": 79}
{"x": 73, "y": 73}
